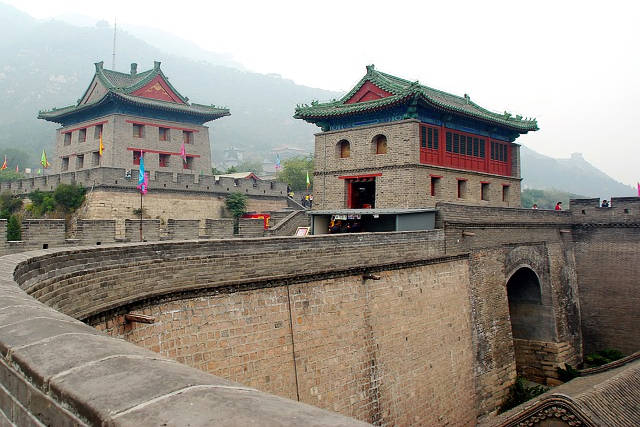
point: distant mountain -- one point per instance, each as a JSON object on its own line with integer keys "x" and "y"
{"x": 573, "y": 175}
{"x": 50, "y": 64}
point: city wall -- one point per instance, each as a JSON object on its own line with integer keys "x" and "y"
{"x": 261, "y": 311}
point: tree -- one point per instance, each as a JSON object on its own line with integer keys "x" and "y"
{"x": 294, "y": 172}
{"x": 69, "y": 197}
{"x": 237, "y": 204}
{"x": 231, "y": 169}
{"x": 13, "y": 229}
{"x": 41, "y": 203}
{"x": 9, "y": 204}
{"x": 7, "y": 175}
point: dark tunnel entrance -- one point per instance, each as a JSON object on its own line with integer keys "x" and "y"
{"x": 531, "y": 321}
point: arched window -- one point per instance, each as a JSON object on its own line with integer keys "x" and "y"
{"x": 380, "y": 144}
{"x": 344, "y": 149}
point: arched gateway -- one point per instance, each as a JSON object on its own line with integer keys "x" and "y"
{"x": 531, "y": 321}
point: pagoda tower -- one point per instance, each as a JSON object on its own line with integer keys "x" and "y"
{"x": 129, "y": 114}
{"x": 393, "y": 143}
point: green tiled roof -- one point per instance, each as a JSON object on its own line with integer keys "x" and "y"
{"x": 402, "y": 91}
{"x": 122, "y": 85}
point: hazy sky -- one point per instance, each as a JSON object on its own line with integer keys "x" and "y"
{"x": 574, "y": 66}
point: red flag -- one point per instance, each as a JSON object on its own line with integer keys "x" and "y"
{"x": 183, "y": 153}
{"x": 4, "y": 165}
{"x": 639, "y": 189}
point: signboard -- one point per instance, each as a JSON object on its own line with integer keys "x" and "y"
{"x": 302, "y": 231}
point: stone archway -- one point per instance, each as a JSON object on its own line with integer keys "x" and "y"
{"x": 532, "y": 323}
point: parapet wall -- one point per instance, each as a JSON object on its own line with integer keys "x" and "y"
{"x": 164, "y": 181}
{"x": 55, "y": 370}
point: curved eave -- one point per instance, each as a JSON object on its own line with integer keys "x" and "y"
{"x": 58, "y": 116}
{"x": 321, "y": 112}
{"x": 521, "y": 127}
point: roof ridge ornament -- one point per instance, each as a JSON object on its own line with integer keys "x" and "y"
{"x": 371, "y": 68}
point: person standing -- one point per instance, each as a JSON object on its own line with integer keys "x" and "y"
{"x": 310, "y": 201}
{"x": 559, "y": 206}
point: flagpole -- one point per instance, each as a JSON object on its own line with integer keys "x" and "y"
{"x": 141, "y": 216}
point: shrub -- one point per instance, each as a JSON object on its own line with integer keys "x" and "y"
{"x": 13, "y": 229}
{"x": 568, "y": 373}
{"x": 9, "y": 204}
{"x": 41, "y": 202}
{"x": 602, "y": 357}
{"x": 69, "y": 197}
{"x": 520, "y": 393}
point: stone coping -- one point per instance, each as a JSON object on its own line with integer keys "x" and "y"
{"x": 64, "y": 372}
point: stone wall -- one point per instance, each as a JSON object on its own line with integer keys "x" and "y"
{"x": 250, "y": 227}
{"x": 607, "y": 248}
{"x": 183, "y": 229}
{"x": 219, "y": 228}
{"x": 55, "y": 370}
{"x": 96, "y": 231}
{"x": 388, "y": 351}
{"x": 120, "y": 178}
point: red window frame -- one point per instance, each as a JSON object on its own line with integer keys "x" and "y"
{"x": 434, "y": 179}
{"x": 187, "y": 136}
{"x": 163, "y": 134}
{"x": 136, "y": 157}
{"x": 477, "y": 150}
{"x": 138, "y": 130}
{"x": 163, "y": 160}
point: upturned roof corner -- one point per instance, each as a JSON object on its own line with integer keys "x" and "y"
{"x": 404, "y": 91}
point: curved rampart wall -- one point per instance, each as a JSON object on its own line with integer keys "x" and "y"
{"x": 56, "y": 370}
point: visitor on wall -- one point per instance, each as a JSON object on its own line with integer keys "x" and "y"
{"x": 559, "y": 206}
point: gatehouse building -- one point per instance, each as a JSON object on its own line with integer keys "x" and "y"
{"x": 392, "y": 143}
{"x": 128, "y": 113}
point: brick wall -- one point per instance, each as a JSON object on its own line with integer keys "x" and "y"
{"x": 183, "y": 229}
{"x": 373, "y": 350}
{"x": 250, "y": 227}
{"x": 92, "y": 231}
{"x": 150, "y": 230}
{"x": 608, "y": 271}
{"x": 55, "y": 370}
{"x": 218, "y": 228}
{"x": 117, "y": 178}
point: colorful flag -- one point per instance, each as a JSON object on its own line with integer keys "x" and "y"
{"x": 43, "y": 160}
{"x": 17, "y": 169}
{"x": 39, "y": 171}
{"x": 278, "y": 161}
{"x": 4, "y": 165}
{"x": 143, "y": 182}
{"x": 308, "y": 182}
{"x": 183, "y": 153}
{"x": 639, "y": 189}
{"x": 101, "y": 148}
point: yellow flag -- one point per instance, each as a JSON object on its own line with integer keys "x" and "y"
{"x": 101, "y": 146}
